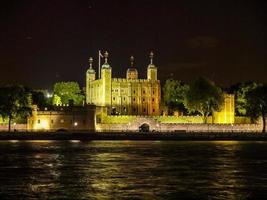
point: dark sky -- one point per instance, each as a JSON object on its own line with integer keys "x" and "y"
{"x": 42, "y": 42}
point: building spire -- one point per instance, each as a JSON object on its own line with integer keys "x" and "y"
{"x": 90, "y": 63}
{"x": 106, "y": 57}
{"x": 132, "y": 61}
{"x": 151, "y": 56}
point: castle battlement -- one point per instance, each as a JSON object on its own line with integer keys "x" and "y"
{"x": 124, "y": 96}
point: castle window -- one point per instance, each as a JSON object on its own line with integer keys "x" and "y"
{"x": 62, "y": 121}
{"x": 124, "y": 98}
{"x": 144, "y": 110}
{"x": 143, "y": 99}
{"x": 153, "y": 110}
{"x": 52, "y": 121}
{"x": 134, "y": 91}
{"x": 134, "y": 109}
{"x": 153, "y": 92}
{"x": 39, "y": 121}
{"x": 153, "y": 99}
{"x": 133, "y": 99}
{"x": 113, "y": 98}
{"x": 144, "y": 91}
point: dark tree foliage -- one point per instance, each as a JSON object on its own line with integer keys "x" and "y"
{"x": 257, "y": 104}
{"x": 38, "y": 98}
{"x": 204, "y": 97}
{"x": 15, "y": 101}
{"x": 174, "y": 95}
{"x": 240, "y": 90}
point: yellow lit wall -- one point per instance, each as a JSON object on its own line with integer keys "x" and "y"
{"x": 227, "y": 113}
{"x": 82, "y": 118}
{"x": 124, "y": 96}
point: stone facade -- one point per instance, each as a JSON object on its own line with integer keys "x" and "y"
{"x": 62, "y": 118}
{"x": 124, "y": 96}
{"x": 227, "y": 113}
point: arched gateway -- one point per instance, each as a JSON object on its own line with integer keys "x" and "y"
{"x": 144, "y": 128}
{"x": 144, "y": 124}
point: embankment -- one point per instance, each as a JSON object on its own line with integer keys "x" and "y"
{"x": 132, "y": 136}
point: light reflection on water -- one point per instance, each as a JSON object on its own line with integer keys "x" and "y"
{"x": 133, "y": 169}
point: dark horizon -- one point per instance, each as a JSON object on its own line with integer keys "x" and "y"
{"x": 43, "y": 42}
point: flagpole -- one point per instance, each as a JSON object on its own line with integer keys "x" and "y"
{"x": 99, "y": 60}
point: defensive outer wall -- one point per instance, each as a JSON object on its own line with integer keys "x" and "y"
{"x": 174, "y": 124}
{"x": 161, "y": 124}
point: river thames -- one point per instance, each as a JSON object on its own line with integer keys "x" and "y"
{"x": 133, "y": 170}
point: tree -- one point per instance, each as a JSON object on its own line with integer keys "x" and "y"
{"x": 38, "y": 98}
{"x": 257, "y": 104}
{"x": 204, "y": 97}
{"x": 174, "y": 95}
{"x": 240, "y": 90}
{"x": 15, "y": 101}
{"x": 68, "y": 92}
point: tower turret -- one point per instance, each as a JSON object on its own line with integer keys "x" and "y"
{"x": 151, "y": 69}
{"x": 90, "y": 76}
{"x": 106, "y": 75}
{"x": 132, "y": 71}
{"x": 91, "y": 72}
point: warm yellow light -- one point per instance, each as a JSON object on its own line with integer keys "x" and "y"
{"x": 44, "y": 124}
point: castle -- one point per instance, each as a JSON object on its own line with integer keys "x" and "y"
{"x": 124, "y": 96}
{"x": 125, "y": 104}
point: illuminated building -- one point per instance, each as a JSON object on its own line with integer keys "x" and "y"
{"x": 122, "y": 104}
{"x": 62, "y": 118}
{"x": 124, "y": 96}
{"x": 226, "y": 115}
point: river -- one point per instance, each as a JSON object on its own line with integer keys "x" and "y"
{"x": 133, "y": 170}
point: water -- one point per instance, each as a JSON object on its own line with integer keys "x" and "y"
{"x": 133, "y": 170}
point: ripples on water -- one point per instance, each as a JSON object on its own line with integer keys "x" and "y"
{"x": 133, "y": 170}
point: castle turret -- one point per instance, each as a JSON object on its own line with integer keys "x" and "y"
{"x": 106, "y": 75}
{"x": 90, "y": 76}
{"x": 132, "y": 71}
{"x": 151, "y": 69}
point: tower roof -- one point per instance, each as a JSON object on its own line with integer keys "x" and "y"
{"x": 106, "y": 65}
{"x": 90, "y": 70}
{"x": 132, "y": 71}
{"x": 151, "y": 56}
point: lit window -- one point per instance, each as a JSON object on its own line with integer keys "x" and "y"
{"x": 62, "y": 121}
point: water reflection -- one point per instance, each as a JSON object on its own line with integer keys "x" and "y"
{"x": 132, "y": 169}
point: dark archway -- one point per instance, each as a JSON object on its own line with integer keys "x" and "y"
{"x": 144, "y": 128}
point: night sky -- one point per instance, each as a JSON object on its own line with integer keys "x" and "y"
{"x": 42, "y": 42}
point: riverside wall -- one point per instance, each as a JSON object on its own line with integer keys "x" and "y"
{"x": 181, "y": 127}
{"x": 132, "y": 124}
